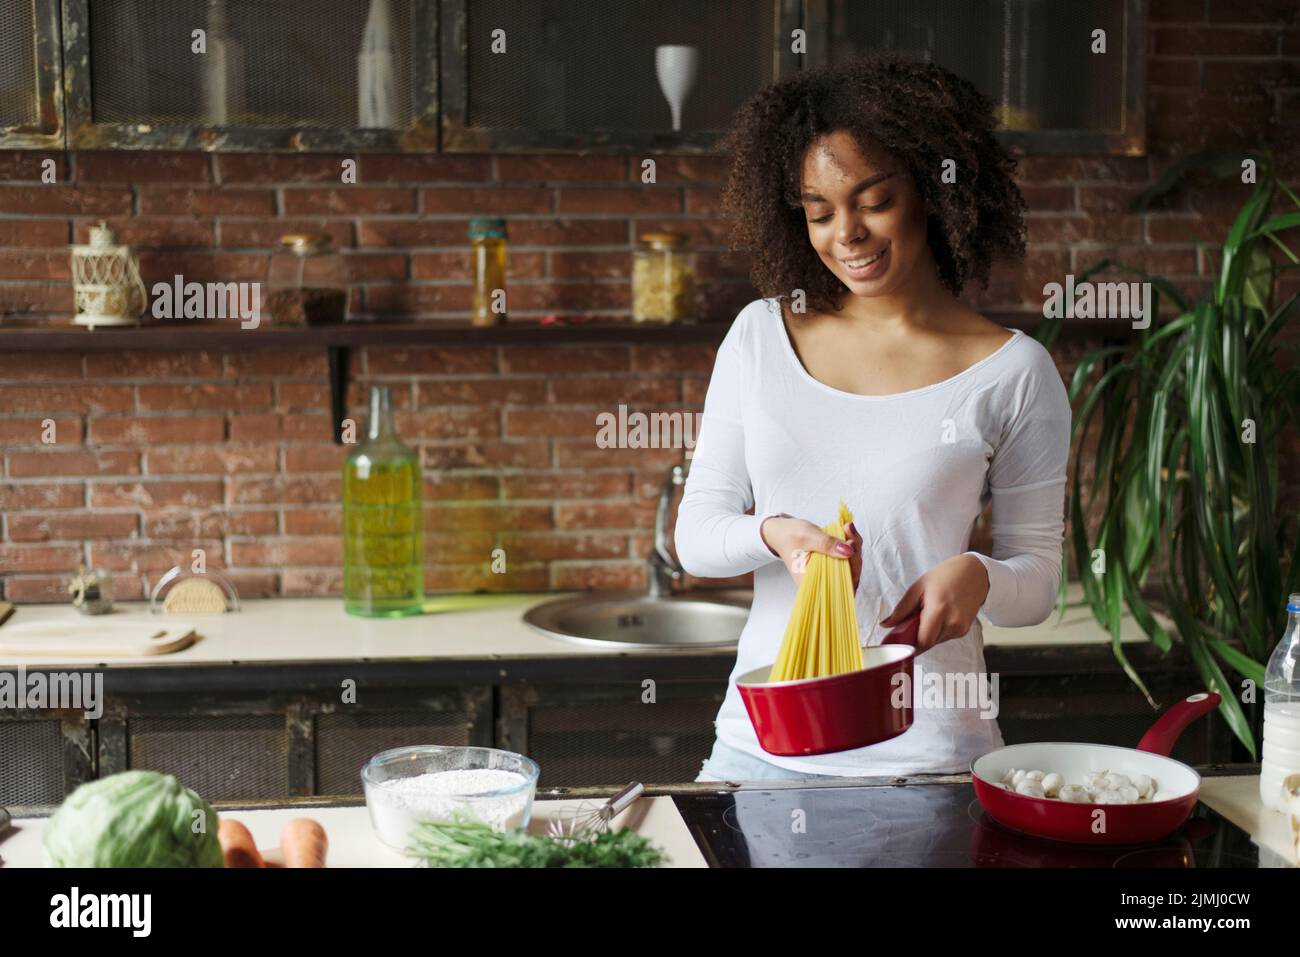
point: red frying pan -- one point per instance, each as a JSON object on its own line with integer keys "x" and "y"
{"x": 1082, "y": 823}
{"x": 839, "y": 712}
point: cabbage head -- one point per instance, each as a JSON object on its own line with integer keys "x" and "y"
{"x": 133, "y": 819}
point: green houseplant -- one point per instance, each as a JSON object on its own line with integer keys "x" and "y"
{"x": 1188, "y": 421}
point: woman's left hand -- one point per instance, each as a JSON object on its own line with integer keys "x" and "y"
{"x": 949, "y": 597}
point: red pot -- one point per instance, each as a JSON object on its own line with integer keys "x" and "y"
{"x": 1080, "y": 823}
{"x": 840, "y": 712}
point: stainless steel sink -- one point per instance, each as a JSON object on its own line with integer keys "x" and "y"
{"x": 637, "y": 620}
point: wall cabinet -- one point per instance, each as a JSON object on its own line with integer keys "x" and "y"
{"x": 31, "y": 92}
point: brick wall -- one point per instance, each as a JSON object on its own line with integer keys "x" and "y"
{"x": 161, "y": 453}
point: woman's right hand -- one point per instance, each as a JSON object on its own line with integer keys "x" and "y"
{"x": 793, "y": 539}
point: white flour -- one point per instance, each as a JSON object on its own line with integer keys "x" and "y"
{"x": 396, "y": 805}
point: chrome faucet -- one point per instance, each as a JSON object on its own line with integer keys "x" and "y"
{"x": 663, "y": 568}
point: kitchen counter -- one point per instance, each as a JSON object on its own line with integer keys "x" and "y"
{"x": 282, "y": 630}
{"x": 1233, "y": 796}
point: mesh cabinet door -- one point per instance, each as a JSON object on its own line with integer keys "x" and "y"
{"x": 31, "y": 96}
{"x": 567, "y": 74}
{"x": 251, "y": 74}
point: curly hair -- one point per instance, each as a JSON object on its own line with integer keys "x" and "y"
{"x": 918, "y": 113}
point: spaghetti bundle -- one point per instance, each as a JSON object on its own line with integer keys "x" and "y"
{"x": 821, "y": 637}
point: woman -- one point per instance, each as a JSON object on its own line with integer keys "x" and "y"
{"x": 869, "y": 195}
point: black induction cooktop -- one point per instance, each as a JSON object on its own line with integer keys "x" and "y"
{"x": 921, "y": 825}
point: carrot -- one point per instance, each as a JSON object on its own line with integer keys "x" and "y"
{"x": 303, "y": 843}
{"x": 237, "y": 844}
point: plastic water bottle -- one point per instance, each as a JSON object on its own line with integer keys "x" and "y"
{"x": 1281, "y": 755}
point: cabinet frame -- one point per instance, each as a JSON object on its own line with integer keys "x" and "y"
{"x": 83, "y": 133}
{"x": 48, "y": 133}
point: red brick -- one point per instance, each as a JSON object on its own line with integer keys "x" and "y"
{"x": 39, "y": 558}
{"x": 376, "y": 267}
{"x": 635, "y": 514}
{"x": 449, "y": 422}
{"x": 254, "y": 584}
{"x": 415, "y": 232}
{"x": 422, "y": 168}
{"x": 31, "y": 299}
{"x": 569, "y": 296}
{"x": 33, "y": 265}
{"x": 567, "y": 232}
{"x": 22, "y": 366}
{"x": 486, "y": 200}
{"x": 1039, "y": 198}
{"x": 153, "y": 167}
{"x": 270, "y": 427}
{"x": 204, "y": 266}
{"x": 155, "y": 494}
{"x": 1177, "y": 74}
{"x": 152, "y": 365}
{"x": 550, "y": 360}
{"x": 703, "y": 201}
{"x": 33, "y": 232}
{"x": 155, "y": 557}
{"x": 283, "y": 489}
{"x": 698, "y": 232}
{"x": 681, "y": 168}
{"x": 550, "y": 486}
{"x": 460, "y": 546}
{"x": 312, "y": 581}
{"x": 441, "y": 487}
{"x": 483, "y": 516}
{"x": 494, "y": 391}
{"x": 277, "y": 364}
{"x": 315, "y": 458}
{"x": 672, "y": 359}
{"x": 31, "y": 432}
{"x": 312, "y": 521}
{"x": 170, "y": 201}
{"x": 323, "y": 550}
{"x": 586, "y": 454}
{"x": 1225, "y": 75}
{"x": 1214, "y": 41}
{"x": 15, "y": 497}
{"x": 1186, "y": 228}
{"x": 145, "y": 233}
{"x": 1099, "y": 228}
{"x": 275, "y": 168}
{"x": 30, "y": 165}
{"x": 188, "y": 525}
{"x": 543, "y": 169}
{"x": 487, "y": 454}
{"x": 1177, "y": 11}
{"x": 1074, "y": 169}
{"x": 51, "y": 588}
{"x": 157, "y": 430}
{"x": 551, "y": 422}
{"x": 66, "y": 526}
{"x": 553, "y": 547}
{"x": 65, "y": 201}
{"x": 626, "y": 200}
{"x": 381, "y": 361}
{"x": 599, "y": 576}
{"x": 266, "y": 234}
{"x": 1107, "y": 199}
{"x": 294, "y": 396}
{"x": 608, "y": 393}
{"x": 409, "y": 299}
{"x": 590, "y": 265}
{"x": 1257, "y": 11}
{"x": 70, "y": 398}
{"x": 38, "y": 464}
{"x": 211, "y": 460}
{"x": 349, "y": 199}
{"x": 206, "y": 396}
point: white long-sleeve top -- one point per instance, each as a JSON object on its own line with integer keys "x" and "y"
{"x": 916, "y": 468}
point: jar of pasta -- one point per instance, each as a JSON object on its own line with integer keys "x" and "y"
{"x": 663, "y": 279}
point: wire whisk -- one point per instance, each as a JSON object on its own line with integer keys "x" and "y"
{"x": 587, "y": 819}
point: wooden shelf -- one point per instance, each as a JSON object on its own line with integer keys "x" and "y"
{"x": 227, "y": 336}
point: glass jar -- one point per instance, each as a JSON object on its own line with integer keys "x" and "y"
{"x": 307, "y": 282}
{"x": 488, "y": 246}
{"x": 383, "y": 521}
{"x": 663, "y": 279}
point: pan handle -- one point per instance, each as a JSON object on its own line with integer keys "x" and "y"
{"x": 906, "y": 632}
{"x": 1162, "y": 735}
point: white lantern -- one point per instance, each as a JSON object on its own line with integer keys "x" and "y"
{"x": 106, "y": 282}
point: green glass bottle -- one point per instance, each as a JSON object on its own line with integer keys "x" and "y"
{"x": 383, "y": 521}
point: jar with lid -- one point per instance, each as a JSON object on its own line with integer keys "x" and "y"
{"x": 488, "y": 245}
{"x": 663, "y": 279}
{"x": 307, "y": 282}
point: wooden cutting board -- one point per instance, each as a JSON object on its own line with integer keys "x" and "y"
{"x": 81, "y": 638}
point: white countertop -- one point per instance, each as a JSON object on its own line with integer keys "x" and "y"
{"x": 352, "y": 841}
{"x": 317, "y": 629}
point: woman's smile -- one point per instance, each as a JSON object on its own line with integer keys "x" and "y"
{"x": 867, "y": 266}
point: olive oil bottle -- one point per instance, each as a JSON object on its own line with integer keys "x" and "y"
{"x": 383, "y": 519}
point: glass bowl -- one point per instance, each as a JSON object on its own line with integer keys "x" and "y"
{"x": 396, "y": 802}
